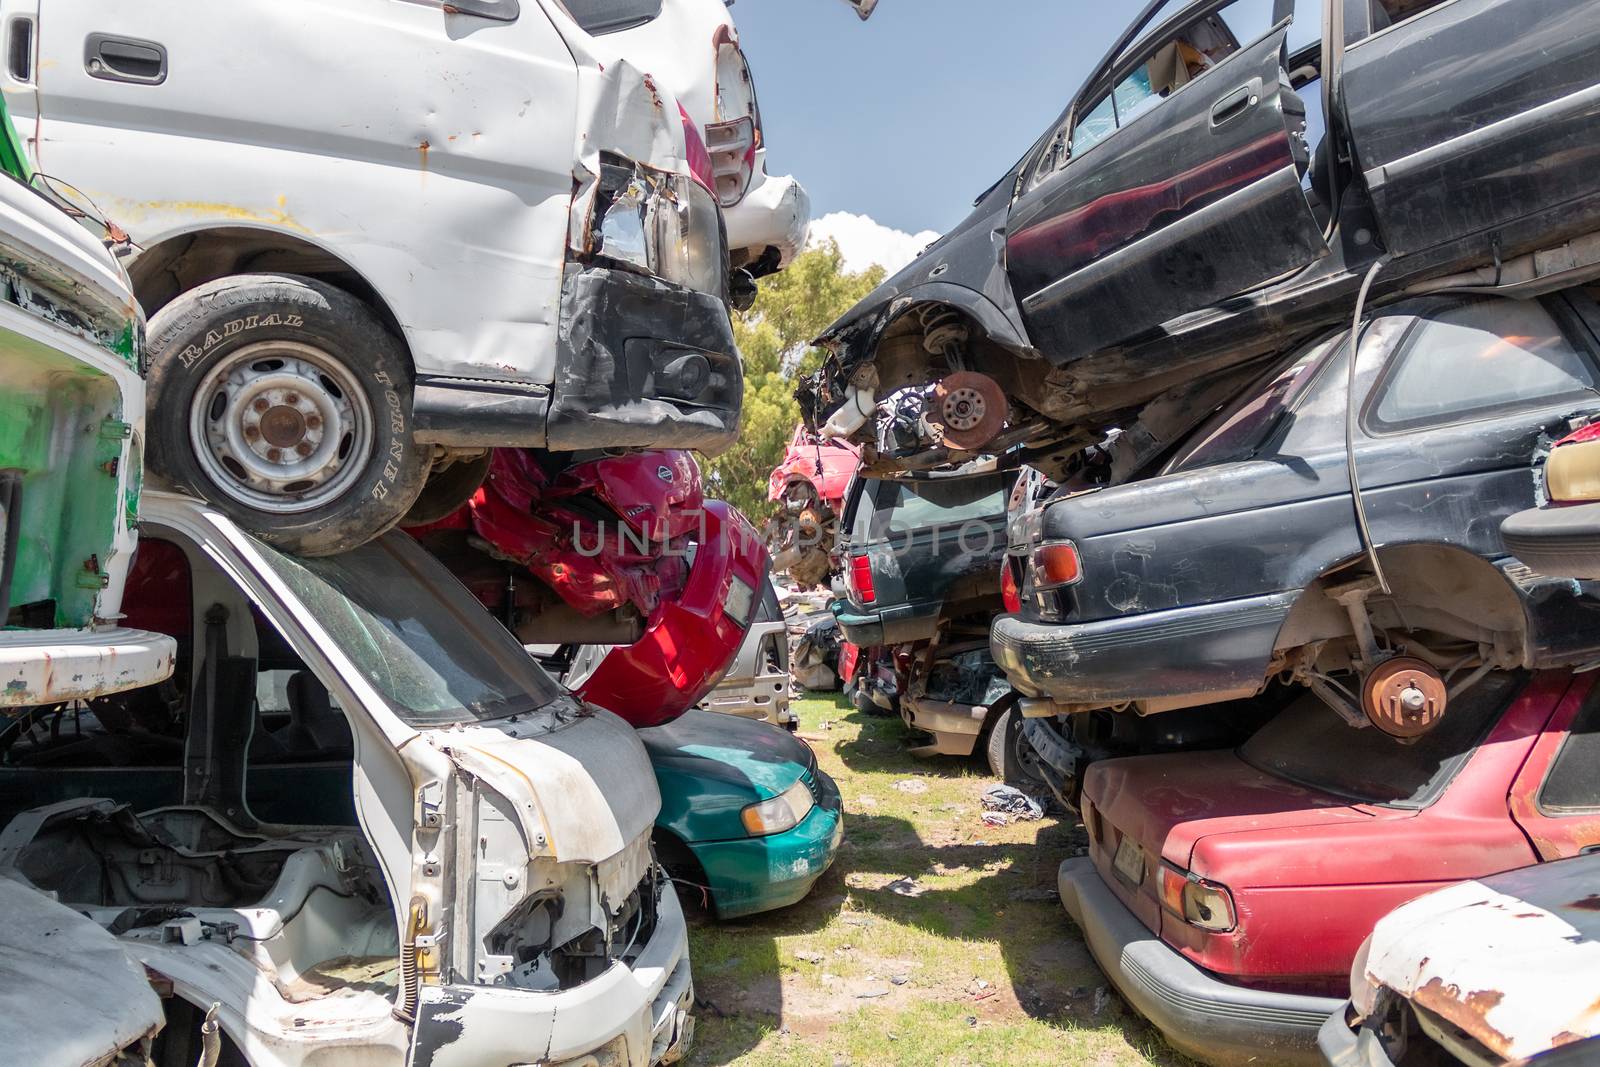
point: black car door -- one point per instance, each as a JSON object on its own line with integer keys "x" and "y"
{"x": 1181, "y": 186}
{"x": 1476, "y": 115}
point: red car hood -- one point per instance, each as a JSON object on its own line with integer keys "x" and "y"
{"x": 1168, "y": 803}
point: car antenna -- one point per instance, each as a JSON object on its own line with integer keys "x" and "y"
{"x": 1350, "y": 425}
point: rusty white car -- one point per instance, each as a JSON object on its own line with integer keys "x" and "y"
{"x": 1495, "y": 971}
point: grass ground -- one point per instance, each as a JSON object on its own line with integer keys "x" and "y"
{"x": 934, "y": 939}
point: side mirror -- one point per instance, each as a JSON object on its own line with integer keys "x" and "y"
{"x": 741, "y": 290}
{"x": 863, "y": 7}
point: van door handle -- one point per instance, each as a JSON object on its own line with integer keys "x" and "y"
{"x": 1236, "y": 103}
{"x": 124, "y": 59}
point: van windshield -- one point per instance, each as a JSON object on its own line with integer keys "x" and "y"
{"x": 1309, "y": 744}
{"x": 416, "y": 634}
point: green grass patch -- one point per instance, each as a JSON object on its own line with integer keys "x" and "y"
{"x": 935, "y": 938}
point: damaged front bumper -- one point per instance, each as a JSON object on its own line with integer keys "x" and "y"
{"x": 758, "y": 874}
{"x": 630, "y": 1016}
{"x": 642, "y": 364}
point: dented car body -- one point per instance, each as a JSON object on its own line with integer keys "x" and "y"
{"x": 1219, "y": 187}
{"x": 1493, "y": 971}
{"x": 468, "y": 886}
{"x": 505, "y": 197}
{"x": 71, "y": 454}
{"x": 1242, "y": 558}
{"x": 1226, "y": 893}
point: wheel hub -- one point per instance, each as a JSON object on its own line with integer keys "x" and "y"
{"x": 970, "y": 408}
{"x": 1404, "y": 697}
{"x": 281, "y": 426}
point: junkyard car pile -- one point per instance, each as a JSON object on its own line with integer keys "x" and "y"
{"x": 1289, "y": 314}
{"x": 277, "y": 783}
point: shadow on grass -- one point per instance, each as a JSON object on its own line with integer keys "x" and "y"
{"x": 881, "y": 871}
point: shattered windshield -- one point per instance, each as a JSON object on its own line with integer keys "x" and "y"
{"x": 415, "y": 634}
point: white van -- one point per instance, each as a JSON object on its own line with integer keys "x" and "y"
{"x": 378, "y": 237}
{"x": 471, "y": 884}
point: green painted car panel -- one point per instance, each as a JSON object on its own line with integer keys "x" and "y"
{"x": 709, "y": 768}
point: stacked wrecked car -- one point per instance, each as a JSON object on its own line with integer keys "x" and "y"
{"x": 1291, "y": 312}
{"x": 338, "y": 809}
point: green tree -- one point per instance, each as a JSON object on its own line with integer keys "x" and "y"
{"x": 774, "y": 337}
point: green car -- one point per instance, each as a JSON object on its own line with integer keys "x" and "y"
{"x": 746, "y": 814}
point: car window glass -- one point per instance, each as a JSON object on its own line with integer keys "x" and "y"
{"x": 769, "y": 610}
{"x": 1169, "y": 65}
{"x": 914, "y": 505}
{"x": 1573, "y": 782}
{"x": 1239, "y": 429}
{"x": 609, "y": 16}
{"x": 1477, "y": 359}
{"x": 415, "y": 634}
{"x": 1094, "y": 127}
{"x": 1306, "y": 29}
{"x": 1310, "y": 744}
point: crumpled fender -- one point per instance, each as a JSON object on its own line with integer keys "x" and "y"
{"x": 690, "y": 639}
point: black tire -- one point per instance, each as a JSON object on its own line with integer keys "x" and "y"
{"x": 448, "y": 490}
{"x": 1002, "y": 747}
{"x": 323, "y": 335}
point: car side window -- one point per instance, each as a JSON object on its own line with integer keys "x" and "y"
{"x": 1476, "y": 360}
{"x": 1573, "y": 782}
{"x": 1171, "y": 64}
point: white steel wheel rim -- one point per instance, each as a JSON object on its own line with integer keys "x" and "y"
{"x": 281, "y": 427}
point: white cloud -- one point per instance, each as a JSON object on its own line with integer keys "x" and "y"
{"x": 865, "y": 242}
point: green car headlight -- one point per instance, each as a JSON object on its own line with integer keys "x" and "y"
{"x": 782, "y": 812}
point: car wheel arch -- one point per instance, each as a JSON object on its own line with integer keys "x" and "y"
{"x": 179, "y": 262}
{"x": 1437, "y": 587}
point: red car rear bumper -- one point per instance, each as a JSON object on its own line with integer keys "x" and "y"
{"x": 1212, "y": 1020}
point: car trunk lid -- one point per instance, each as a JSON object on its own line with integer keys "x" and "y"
{"x": 1152, "y": 809}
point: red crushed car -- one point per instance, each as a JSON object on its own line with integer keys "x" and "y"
{"x": 1225, "y": 893}
{"x": 622, "y": 551}
{"x": 811, "y": 483}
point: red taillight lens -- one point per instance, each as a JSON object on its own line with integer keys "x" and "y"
{"x": 1056, "y": 564}
{"x": 1590, "y": 432}
{"x": 861, "y": 578}
{"x": 1010, "y": 595}
{"x": 694, "y": 151}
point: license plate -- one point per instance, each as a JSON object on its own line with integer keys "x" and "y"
{"x": 1129, "y": 861}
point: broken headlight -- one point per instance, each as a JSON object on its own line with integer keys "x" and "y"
{"x": 666, "y": 225}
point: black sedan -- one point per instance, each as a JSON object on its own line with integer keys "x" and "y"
{"x": 1245, "y": 558}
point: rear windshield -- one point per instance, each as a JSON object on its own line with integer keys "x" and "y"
{"x": 1308, "y": 743}
{"x": 1238, "y": 431}
{"x": 416, "y": 634}
{"x": 889, "y": 507}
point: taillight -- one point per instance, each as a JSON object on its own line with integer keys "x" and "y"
{"x": 861, "y": 579}
{"x": 1010, "y": 595}
{"x": 1208, "y": 905}
{"x": 1572, "y": 473}
{"x": 694, "y": 151}
{"x": 732, "y": 146}
{"x": 1056, "y": 564}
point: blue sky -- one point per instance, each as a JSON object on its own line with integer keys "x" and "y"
{"x": 907, "y": 117}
